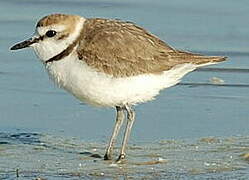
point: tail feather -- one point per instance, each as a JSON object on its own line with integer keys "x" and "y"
{"x": 197, "y": 59}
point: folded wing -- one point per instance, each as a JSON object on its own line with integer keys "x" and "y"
{"x": 122, "y": 49}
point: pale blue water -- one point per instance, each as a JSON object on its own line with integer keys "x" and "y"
{"x": 30, "y": 103}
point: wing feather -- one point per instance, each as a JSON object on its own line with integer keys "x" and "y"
{"x": 123, "y": 49}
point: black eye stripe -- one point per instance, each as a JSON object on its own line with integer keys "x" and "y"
{"x": 63, "y": 36}
{"x": 37, "y": 39}
{"x": 51, "y": 33}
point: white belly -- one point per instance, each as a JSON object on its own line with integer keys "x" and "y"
{"x": 99, "y": 89}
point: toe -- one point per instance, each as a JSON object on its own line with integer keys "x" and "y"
{"x": 121, "y": 158}
{"x": 107, "y": 157}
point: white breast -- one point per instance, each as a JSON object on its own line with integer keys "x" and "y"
{"x": 99, "y": 89}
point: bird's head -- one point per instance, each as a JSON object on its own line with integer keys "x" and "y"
{"x": 53, "y": 34}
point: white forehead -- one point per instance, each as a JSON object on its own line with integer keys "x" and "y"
{"x": 41, "y": 30}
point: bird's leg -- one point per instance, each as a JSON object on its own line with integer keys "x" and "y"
{"x": 119, "y": 120}
{"x": 130, "y": 121}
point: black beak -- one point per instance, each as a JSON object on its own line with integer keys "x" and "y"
{"x": 25, "y": 44}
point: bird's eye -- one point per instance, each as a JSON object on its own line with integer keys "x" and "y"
{"x": 50, "y": 33}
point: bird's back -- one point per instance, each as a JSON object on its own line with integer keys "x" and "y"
{"x": 123, "y": 49}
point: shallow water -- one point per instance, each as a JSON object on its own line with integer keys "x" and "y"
{"x": 45, "y": 132}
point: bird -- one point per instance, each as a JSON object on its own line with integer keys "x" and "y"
{"x": 110, "y": 63}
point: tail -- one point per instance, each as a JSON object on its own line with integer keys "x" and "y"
{"x": 198, "y": 59}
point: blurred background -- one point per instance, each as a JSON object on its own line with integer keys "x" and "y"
{"x": 201, "y": 125}
{"x": 201, "y": 106}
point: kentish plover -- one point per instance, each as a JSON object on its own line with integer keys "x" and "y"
{"x": 110, "y": 63}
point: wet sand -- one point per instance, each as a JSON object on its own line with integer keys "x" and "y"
{"x": 196, "y": 130}
{"x": 33, "y": 156}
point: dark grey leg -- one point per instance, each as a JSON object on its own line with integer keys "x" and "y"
{"x": 130, "y": 121}
{"x": 119, "y": 120}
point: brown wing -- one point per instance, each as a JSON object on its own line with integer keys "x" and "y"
{"x": 123, "y": 49}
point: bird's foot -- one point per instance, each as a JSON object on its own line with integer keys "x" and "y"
{"x": 107, "y": 156}
{"x": 120, "y": 158}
